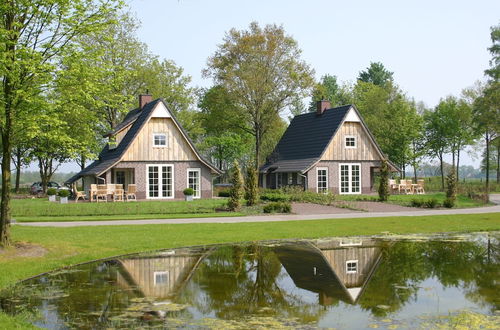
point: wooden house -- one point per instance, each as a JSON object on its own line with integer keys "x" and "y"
{"x": 151, "y": 150}
{"x": 327, "y": 150}
{"x": 336, "y": 270}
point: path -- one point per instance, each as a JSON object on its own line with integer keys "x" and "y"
{"x": 495, "y": 198}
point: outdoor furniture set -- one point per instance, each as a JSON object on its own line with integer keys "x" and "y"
{"x": 407, "y": 186}
{"x": 102, "y": 192}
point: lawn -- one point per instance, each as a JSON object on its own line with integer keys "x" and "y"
{"x": 69, "y": 246}
{"x": 40, "y": 209}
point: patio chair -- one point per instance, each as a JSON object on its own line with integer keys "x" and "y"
{"x": 102, "y": 193}
{"x": 130, "y": 193}
{"x": 419, "y": 188}
{"x": 93, "y": 191}
{"x": 78, "y": 194}
{"x": 405, "y": 186}
{"x": 118, "y": 193}
{"x": 408, "y": 189}
{"x": 393, "y": 186}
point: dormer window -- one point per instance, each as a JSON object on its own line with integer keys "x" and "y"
{"x": 160, "y": 140}
{"x": 350, "y": 141}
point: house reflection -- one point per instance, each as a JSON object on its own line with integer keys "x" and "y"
{"x": 336, "y": 270}
{"x": 159, "y": 276}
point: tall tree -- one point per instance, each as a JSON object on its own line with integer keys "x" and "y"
{"x": 376, "y": 74}
{"x": 326, "y": 89}
{"x": 262, "y": 71}
{"x": 33, "y": 33}
{"x": 436, "y": 129}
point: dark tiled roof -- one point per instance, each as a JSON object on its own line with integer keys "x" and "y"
{"x": 305, "y": 140}
{"x": 109, "y": 157}
{"x": 129, "y": 119}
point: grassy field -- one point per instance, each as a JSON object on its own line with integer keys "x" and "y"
{"x": 68, "y": 246}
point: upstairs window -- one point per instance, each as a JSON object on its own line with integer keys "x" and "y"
{"x": 160, "y": 140}
{"x": 160, "y": 278}
{"x": 350, "y": 141}
{"x": 351, "y": 266}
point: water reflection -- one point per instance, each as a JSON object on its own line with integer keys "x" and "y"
{"x": 340, "y": 283}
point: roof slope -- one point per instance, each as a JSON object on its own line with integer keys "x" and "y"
{"x": 305, "y": 139}
{"x": 109, "y": 157}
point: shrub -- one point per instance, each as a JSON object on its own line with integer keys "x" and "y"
{"x": 417, "y": 202}
{"x": 251, "y": 189}
{"x": 383, "y": 187}
{"x": 63, "y": 193}
{"x": 278, "y": 207}
{"x": 223, "y": 193}
{"x": 188, "y": 192}
{"x": 431, "y": 203}
{"x": 449, "y": 203}
{"x": 275, "y": 197}
{"x": 451, "y": 188}
{"x": 235, "y": 193}
{"x": 51, "y": 191}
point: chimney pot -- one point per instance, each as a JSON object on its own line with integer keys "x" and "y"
{"x": 144, "y": 99}
{"x": 321, "y": 106}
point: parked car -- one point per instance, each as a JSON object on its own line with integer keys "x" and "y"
{"x": 36, "y": 187}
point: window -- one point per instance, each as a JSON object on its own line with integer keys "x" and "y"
{"x": 351, "y": 266}
{"x": 160, "y": 140}
{"x": 290, "y": 179}
{"x": 160, "y": 278}
{"x": 194, "y": 175}
{"x": 350, "y": 141}
{"x": 350, "y": 178}
{"x": 322, "y": 175}
{"x": 351, "y": 242}
{"x": 160, "y": 181}
{"x": 120, "y": 177}
{"x": 299, "y": 178}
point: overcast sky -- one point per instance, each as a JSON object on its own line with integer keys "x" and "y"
{"x": 435, "y": 48}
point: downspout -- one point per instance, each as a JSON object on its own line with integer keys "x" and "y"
{"x": 305, "y": 180}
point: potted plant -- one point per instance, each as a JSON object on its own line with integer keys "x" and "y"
{"x": 51, "y": 192}
{"x": 188, "y": 194}
{"x": 63, "y": 196}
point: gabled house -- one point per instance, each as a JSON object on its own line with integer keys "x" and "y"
{"x": 151, "y": 150}
{"x": 327, "y": 150}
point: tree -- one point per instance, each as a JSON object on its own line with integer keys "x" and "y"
{"x": 251, "y": 189}
{"x": 236, "y": 191}
{"x": 33, "y": 33}
{"x": 383, "y": 188}
{"x": 451, "y": 190}
{"x": 262, "y": 72}
{"x": 326, "y": 89}
{"x": 376, "y": 74}
{"x": 494, "y": 71}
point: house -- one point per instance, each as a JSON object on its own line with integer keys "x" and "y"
{"x": 151, "y": 150}
{"x": 327, "y": 150}
{"x": 335, "y": 270}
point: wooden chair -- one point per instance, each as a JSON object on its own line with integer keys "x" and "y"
{"x": 78, "y": 194}
{"x": 419, "y": 188}
{"x": 118, "y": 193}
{"x": 408, "y": 189}
{"x": 102, "y": 192}
{"x": 130, "y": 193}
{"x": 393, "y": 186}
{"x": 405, "y": 186}
{"x": 92, "y": 192}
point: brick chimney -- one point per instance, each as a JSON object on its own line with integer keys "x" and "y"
{"x": 144, "y": 99}
{"x": 321, "y": 106}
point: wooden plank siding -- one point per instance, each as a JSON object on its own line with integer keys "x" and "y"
{"x": 120, "y": 135}
{"x": 142, "y": 148}
{"x": 365, "y": 150}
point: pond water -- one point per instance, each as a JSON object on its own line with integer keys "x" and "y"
{"x": 347, "y": 283}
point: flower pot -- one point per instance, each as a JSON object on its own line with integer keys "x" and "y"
{"x": 63, "y": 200}
{"x": 189, "y": 198}
{"x": 52, "y": 198}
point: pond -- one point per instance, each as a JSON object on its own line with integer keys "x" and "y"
{"x": 360, "y": 282}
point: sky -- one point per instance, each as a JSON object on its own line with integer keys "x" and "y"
{"x": 435, "y": 48}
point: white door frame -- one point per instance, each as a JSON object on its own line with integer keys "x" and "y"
{"x": 196, "y": 169}
{"x": 160, "y": 177}
{"x": 350, "y": 179}
{"x": 327, "y": 179}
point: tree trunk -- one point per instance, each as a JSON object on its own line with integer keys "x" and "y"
{"x": 83, "y": 160}
{"x": 5, "y": 203}
{"x": 453, "y": 158}
{"x": 442, "y": 171}
{"x": 415, "y": 172}
{"x": 18, "y": 169}
{"x": 498, "y": 161}
{"x": 458, "y": 163}
{"x": 487, "y": 188}
{"x": 257, "y": 148}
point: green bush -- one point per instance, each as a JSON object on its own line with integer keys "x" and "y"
{"x": 51, "y": 191}
{"x": 431, "y": 203}
{"x": 236, "y": 191}
{"x": 188, "y": 192}
{"x": 449, "y": 203}
{"x": 275, "y": 197}
{"x": 251, "y": 186}
{"x": 223, "y": 193}
{"x": 63, "y": 193}
{"x": 383, "y": 187}
{"x": 417, "y": 202}
{"x": 278, "y": 207}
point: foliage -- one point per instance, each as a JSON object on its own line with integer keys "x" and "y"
{"x": 376, "y": 74}
{"x": 494, "y": 71}
{"x": 275, "y": 196}
{"x": 326, "y": 89}
{"x": 236, "y": 190}
{"x": 451, "y": 190}
{"x": 251, "y": 187}
{"x": 262, "y": 72}
{"x": 223, "y": 193}
{"x": 431, "y": 203}
{"x": 63, "y": 193}
{"x": 51, "y": 191}
{"x": 417, "y": 202}
{"x": 383, "y": 188}
{"x": 225, "y": 148}
{"x": 297, "y": 194}
{"x": 188, "y": 192}
{"x": 278, "y": 207}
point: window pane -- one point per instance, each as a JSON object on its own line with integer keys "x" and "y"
{"x": 355, "y": 178}
{"x": 322, "y": 180}
{"x": 153, "y": 177}
{"x": 166, "y": 181}
{"x": 194, "y": 182}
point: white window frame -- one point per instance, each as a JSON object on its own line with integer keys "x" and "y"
{"x": 159, "y": 145}
{"x": 160, "y": 178}
{"x": 351, "y": 262}
{"x": 351, "y": 137}
{"x": 165, "y": 272}
{"x": 317, "y": 181}
{"x": 350, "y": 179}
{"x": 299, "y": 178}
{"x": 199, "y": 178}
{"x": 351, "y": 242}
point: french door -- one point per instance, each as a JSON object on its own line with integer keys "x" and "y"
{"x": 194, "y": 178}
{"x": 350, "y": 178}
{"x": 160, "y": 181}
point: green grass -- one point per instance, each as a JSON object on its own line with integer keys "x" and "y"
{"x": 69, "y": 246}
{"x": 128, "y": 217}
